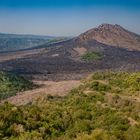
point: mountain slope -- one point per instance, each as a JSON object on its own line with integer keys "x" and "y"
{"x": 72, "y": 59}
{"x": 113, "y": 35}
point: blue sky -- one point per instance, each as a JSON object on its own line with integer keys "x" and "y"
{"x": 66, "y": 17}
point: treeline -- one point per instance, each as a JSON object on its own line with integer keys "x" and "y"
{"x": 10, "y": 84}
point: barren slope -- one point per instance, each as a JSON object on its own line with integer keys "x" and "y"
{"x": 113, "y": 35}
{"x": 62, "y": 60}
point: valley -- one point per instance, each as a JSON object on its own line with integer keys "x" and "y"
{"x": 72, "y": 59}
{"x": 82, "y": 88}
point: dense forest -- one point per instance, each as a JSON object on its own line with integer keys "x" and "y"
{"x": 106, "y": 106}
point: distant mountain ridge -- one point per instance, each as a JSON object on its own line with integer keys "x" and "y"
{"x": 5, "y": 35}
{"x": 13, "y": 42}
{"x": 113, "y": 35}
{"x": 108, "y": 34}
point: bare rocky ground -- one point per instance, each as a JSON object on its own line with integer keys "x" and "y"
{"x": 52, "y": 88}
{"x": 62, "y": 61}
{"x": 17, "y": 54}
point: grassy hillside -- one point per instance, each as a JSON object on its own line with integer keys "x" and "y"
{"x": 11, "y": 84}
{"x": 105, "y": 107}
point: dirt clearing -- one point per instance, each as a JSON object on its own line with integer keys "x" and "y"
{"x": 60, "y": 88}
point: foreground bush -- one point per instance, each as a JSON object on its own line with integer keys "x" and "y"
{"x": 94, "y": 111}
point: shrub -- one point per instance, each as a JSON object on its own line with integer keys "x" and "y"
{"x": 90, "y": 56}
{"x": 94, "y": 111}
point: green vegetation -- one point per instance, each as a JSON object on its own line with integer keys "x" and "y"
{"x": 104, "y": 107}
{"x": 90, "y": 56}
{"x": 11, "y": 84}
{"x": 56, "y": 40}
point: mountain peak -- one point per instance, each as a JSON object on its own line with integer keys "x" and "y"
{"x": 108, "y": 26}
{"x": 113, "y": 35}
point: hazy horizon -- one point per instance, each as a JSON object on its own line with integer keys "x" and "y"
{"x": 66, "y": 18}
